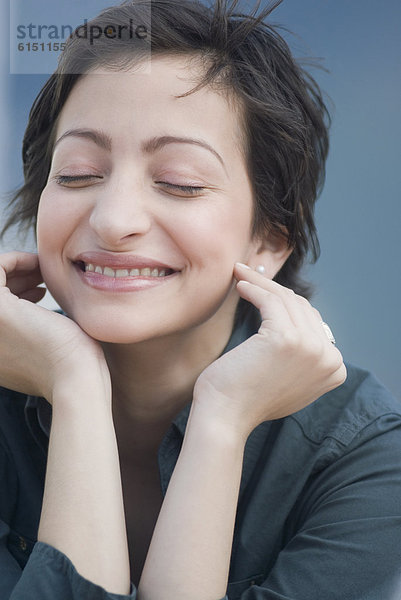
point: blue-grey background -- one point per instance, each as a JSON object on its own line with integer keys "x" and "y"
{"x": 359, "y": 213}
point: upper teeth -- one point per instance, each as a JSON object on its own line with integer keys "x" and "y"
{"x": 146, "y": 272}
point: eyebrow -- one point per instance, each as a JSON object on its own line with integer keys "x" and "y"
{"x": 156, "y": 143}
{"x": 104, "y": 141}
{"x": 98, "y": 137}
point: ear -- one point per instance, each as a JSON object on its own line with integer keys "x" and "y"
{"x": 271, "y": 251}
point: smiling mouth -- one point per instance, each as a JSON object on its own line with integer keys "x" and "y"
{"x": 124, "y": 273}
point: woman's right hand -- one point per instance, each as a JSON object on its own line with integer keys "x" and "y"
{"x": 39, "y": 348}
{"x": 47, "y": 354}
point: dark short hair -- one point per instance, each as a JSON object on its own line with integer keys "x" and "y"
{"x": 285, "y": 120}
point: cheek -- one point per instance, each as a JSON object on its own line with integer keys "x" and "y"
{"x": 47, "y": 223}
{"x": 57, "y": 218}
{"x": 55, "y": 222}
{"x": 218, "y": 235}
{"x": 49, "y": 219}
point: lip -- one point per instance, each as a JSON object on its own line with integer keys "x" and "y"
{"x": 121, "y": 261}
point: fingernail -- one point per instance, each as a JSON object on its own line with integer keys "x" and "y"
{"x": 242, "y": 265}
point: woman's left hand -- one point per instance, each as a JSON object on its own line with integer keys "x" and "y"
{"x": 281, "y": 369}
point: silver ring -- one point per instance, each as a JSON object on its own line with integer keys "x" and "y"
{"x": 328, "y": 332}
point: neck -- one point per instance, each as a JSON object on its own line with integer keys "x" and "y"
{"x": 153, "y": 380}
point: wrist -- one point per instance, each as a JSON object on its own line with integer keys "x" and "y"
{"x": 81, "y": 384}
{"x": 210, "y": 416}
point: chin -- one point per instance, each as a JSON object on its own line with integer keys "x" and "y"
{"x": 117, "y": 328}
{"x": 114, "y": 330}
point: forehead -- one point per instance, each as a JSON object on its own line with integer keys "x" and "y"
{"x": 140, "y": 103}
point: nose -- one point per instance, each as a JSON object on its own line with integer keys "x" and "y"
{"x": 119, "y": 212}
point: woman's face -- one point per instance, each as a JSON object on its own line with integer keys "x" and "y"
{"x": 147, "y": 206}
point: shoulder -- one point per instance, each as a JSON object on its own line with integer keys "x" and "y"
{"x": 360, "y": 409}
{"x": 360, "y": 421}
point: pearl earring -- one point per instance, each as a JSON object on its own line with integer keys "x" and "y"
{"x": 260, "y": 269}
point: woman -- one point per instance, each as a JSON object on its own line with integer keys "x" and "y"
{"x": 203, "y": 442}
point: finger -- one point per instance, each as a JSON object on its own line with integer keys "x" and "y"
{"x": 33, "y": 295}
{"x": 22, "y": 283}
{"x": 242, "y": 271}
{"x": 292, "y": 301}
{"x": 304, "y": 316}
{"x": 312, "y": 319}
{"x": 313, "y": 322}
{"x": 272, "y": 308}
{"x": 18, "y": 263}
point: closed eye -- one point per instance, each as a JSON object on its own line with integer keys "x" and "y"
{"x": 71, "y": 180}
{"x": 181, "y": 190}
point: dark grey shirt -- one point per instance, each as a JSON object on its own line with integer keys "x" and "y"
{"x": 319, "y": 512}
